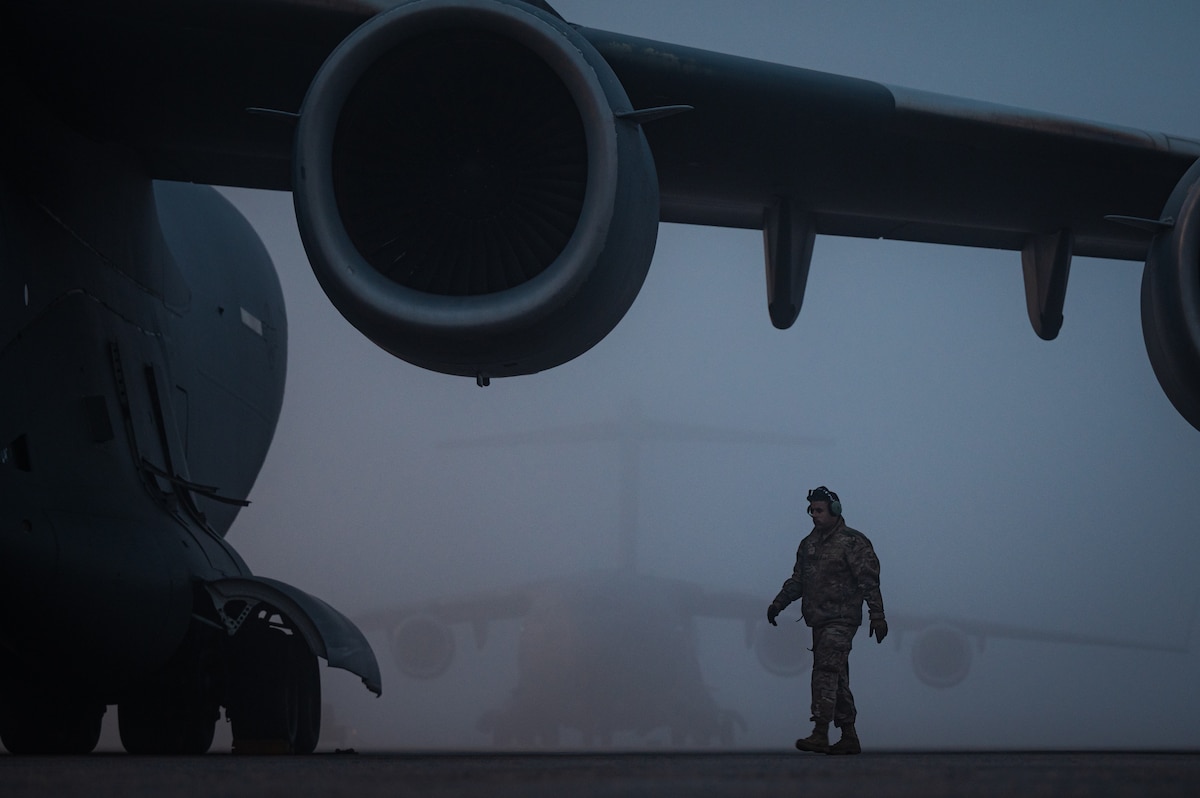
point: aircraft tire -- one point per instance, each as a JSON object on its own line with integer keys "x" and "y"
{"x": 275, "y": 696}
{"x": 165, "y": 725}
{"x": 33, "y": 722}
{"x": 174, "y": 711}
{"x": 308, "y": 701}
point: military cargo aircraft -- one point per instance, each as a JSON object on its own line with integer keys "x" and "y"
{"x": 608, "y": 656}
{"x": 478, "y": 184}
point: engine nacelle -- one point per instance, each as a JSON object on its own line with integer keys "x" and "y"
{"x": 941, "y": 657}
{"x": 467, "y": 190}
{"x": 423, "y": 647}
{"x": 1171, "y": 299}
{"x": 781, "y": 652}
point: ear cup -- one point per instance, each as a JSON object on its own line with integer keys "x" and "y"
{"x": 824, "y": 494}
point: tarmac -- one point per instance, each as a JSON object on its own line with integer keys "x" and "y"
{"x": 591, "y": 775}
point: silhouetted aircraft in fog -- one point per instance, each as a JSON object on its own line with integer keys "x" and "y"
{"x": 606, "y": 652}
{"x": 611, "y": 655}
{"x": 601, "y": 655}
{"x": 478, "y": 185}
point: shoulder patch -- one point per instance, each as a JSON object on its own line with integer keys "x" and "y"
{"x": 854, "y": 533}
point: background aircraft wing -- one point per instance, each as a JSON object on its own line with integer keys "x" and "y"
{"x": 421, "y": 635}
{"x": 941, "y": 648}
{"x": 981, "y": 630}
{"x": 479, "y": 609}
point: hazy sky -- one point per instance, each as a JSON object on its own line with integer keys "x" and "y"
{"x": 1000, "y": 477}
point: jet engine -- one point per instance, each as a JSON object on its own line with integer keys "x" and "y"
{"x": 1171, "y": 298}
{"x": 941, "y": 657}
{"x": 781, "y": 654}
{"x": 423, "y": 647}
{"x": 473, "y": 189}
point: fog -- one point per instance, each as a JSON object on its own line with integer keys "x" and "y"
{"x": 1001, "y": 478}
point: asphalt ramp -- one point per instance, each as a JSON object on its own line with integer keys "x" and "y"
{"x": 769, "y": 774}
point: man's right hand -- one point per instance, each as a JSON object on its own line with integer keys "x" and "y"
{"x": 772, "y": 614}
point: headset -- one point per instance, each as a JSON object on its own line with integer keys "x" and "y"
{"x": 824, "y": 494}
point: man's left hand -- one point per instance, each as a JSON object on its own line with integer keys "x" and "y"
{"x": 878, "y": 630}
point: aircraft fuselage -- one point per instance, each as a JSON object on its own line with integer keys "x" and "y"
{"x": 144, "y": 382}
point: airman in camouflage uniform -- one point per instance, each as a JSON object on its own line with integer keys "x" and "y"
{"x": 836, "y": 571}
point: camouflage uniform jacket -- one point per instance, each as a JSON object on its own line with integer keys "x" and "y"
{"x": 835, "y": 572}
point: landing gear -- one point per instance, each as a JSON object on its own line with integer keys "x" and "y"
{"x": 175, "y": 711}
{"x": 274, "y": 701}
{"x": 166, "y": 724}
{"x": 515, "y": 727}
{"x": 265, "y": 674}
{"x": 36, "y": 720}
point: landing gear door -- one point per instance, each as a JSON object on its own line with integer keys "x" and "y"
{"x": 329, "y": 634}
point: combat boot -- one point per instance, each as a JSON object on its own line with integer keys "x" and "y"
{"x": 848, "y": 744}
{"x": 817, "y": 742}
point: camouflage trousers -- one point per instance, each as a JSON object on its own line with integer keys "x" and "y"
{"x": 831, "y": 696}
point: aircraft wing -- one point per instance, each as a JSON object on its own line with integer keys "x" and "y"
{"x": 593, "y": 588}
{"x": 477, "y": 610}
{"x": 871, "y": 160}
{"x": 421, "y": 635}
{"x": 422, "y": 640}
{"x": 173, "y": 81}
{"x": 478, "y": 183}
{"x": 941, "y": 649}
{"x": 901, "y": 624}
{"x": 981, "y": 630}
{"x": 180, "y": 83}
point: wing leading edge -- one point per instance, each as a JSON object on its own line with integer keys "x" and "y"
{"x": 432, "y": 111}
{"x": 863, "y": 158}
{"x": 876, "y": 161}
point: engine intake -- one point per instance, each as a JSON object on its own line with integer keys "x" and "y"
{"x": 467, "y": 191}
{"x": 941, "y": 657}
{"x": 779, "y": 653}
{"x": 1171, "y": 299}
{"x": 423, "y": 647}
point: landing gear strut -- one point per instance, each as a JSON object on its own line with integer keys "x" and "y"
{"x": 274, "y": 698}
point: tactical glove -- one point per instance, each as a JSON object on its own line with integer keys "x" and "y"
{"x": 878, "y": 629}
